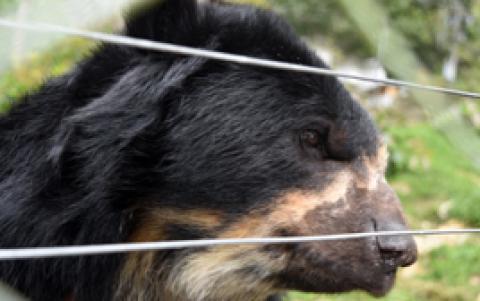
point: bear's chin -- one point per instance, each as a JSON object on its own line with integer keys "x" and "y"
{"x": 382, "y": 287}
{"x": 377, "y": 286}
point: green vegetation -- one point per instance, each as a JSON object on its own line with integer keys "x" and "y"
{"x": 429, "y": 171}
{"x": 7, "y": 4}
{"x": 443, "y": 265}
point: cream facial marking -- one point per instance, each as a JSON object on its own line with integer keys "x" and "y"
{"x": 245, "y": 271}
{"x": 225, "y": 273}
{"x": 370, "y": 170}
{"x": 290, "y": 209}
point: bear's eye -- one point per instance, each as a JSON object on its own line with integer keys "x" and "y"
{"x": 310, "y": 138}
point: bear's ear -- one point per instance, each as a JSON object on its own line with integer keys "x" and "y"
{"x": 138, "y": 99}
{"x": 175, "y": 21}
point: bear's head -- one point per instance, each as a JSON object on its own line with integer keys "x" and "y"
{"x": 210, "y": 149}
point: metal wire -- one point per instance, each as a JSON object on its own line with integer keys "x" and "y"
{"x": 222, "y": 56}
{"x": 85, "y": 250}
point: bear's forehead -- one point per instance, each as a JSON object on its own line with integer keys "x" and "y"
{"x": 256, "y": 32}
{"x": 266, "y": 106}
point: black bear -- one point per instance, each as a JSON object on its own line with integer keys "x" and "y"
{"x": 136, "y": 145}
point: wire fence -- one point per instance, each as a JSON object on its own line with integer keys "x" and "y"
{"x": 84, "y": 250}
{"x": 29, "y": 253}
{"x": 222, "y": 56}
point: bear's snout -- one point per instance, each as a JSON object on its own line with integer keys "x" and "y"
{"x": 397, "y": 250}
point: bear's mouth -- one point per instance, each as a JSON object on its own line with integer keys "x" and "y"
{"x": 310, "y": 271}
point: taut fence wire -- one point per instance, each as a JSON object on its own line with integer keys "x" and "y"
{"x": 85, "y": 250}
{"x": 222, "y": 56}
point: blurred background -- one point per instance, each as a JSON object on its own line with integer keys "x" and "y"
{"x": 434, "y": 139}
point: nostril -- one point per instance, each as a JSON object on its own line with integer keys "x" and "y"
{"x": 397, "y": 251}
{"x": 391, "y": 254}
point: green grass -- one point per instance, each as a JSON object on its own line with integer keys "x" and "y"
{"x": 455, "y": 265}
{"x": 432, "y": 172}
{"x": 397, "y": 295}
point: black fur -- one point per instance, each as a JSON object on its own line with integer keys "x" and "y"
{"x": 80, "y": 157}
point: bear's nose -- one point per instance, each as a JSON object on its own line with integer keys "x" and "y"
{"x": 396, "y": 251}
